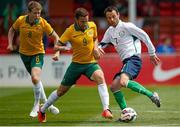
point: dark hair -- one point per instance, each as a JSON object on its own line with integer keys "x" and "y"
{"x": 34, "y": 4}
{"x": 110, "y": 9}
{"x": 80, "y": 12}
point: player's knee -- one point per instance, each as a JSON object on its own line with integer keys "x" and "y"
{"x": 123, "y": 82}
{"x": 60, "y": 93}
{"x": 115, "y": 87}
{"x": 35, "y": 79}
{"x": 123, "y": 79}
{"x": 100, "y": 78}
{"x": 112, "y": 88}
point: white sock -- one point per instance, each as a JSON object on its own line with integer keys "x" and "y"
{"x": 51, "y": 99}
{"x": 37, "y": 93}
{"x": 43, "y": 94}
{"x": 104, "y": 95}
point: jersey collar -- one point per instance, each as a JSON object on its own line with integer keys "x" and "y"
{"x": 119, "y": 24}
{"x": 77, "y": 28}
{"x": 34, "y": 23}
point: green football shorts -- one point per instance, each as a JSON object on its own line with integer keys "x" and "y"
{"x": 75, "y": 70}
{"x": 32, "y": 61}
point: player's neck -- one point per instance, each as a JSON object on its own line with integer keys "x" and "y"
{"x": 31, "y": 20}
{"x": 116, "y": 24}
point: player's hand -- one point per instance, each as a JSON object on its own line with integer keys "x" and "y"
{"x": 10, "y": 47}
{"x": 56, "y": 56}
{"x": 154, "y": 60}
{"x": 101, "y": 51}
{"x": 98, "y": 53}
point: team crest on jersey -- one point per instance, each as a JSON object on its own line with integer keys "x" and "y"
{"x": 30, "y": 34}
{"x": 85, "y": 42}
{"x": 90, "y": 33}
{"x": 122, "y": 33}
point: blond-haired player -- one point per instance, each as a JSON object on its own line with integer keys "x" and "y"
{"x": 31, "y": 28}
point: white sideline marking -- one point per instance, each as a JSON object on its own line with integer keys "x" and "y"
{"x": 172, "y": 125}
{"x": 162, "y": 111}
{"x": 155, "y": 111}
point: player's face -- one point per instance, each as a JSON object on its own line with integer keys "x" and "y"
{"x": 34, "y": 14}
{"x": 112, "y": 18}
{"x": 82, "y": 22}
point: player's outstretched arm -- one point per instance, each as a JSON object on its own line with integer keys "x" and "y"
{"x": 58, "y": 46}
{"x": 10, "y": 39}
{"x": 154, "y": 60}
{"x": 55, "y": 36}
{"x": 56, "y": 39}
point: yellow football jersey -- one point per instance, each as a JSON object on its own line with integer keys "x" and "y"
{"x": 31, "y": 35}
{"x": 82, "y": 42}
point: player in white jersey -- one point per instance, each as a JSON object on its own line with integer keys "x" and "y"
{"x": 126, "y": 39}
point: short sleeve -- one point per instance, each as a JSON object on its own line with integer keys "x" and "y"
{"x": 17, "y": 23}
{"x": 95, "y": 31}
{"x": 47, "y": 27}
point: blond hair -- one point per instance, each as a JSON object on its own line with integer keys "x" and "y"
{"x": 34, "y": 4}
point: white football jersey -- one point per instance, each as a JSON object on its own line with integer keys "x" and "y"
{"x": 126, "y": 39}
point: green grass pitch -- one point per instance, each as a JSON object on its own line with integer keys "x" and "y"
{"x": 81, "y": 107}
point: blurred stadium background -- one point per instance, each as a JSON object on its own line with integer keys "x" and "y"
{"x": 159, "y": 18}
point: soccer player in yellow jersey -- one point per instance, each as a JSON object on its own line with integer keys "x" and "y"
{"x": 83, "y": 37}
{"x": 31, "y": 28}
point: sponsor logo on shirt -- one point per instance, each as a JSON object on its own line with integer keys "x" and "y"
{"x": 121, "y": 33}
